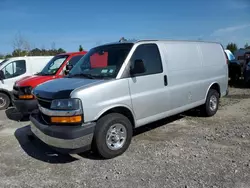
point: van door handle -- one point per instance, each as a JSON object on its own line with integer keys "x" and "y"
{"x": 165, "y": 80}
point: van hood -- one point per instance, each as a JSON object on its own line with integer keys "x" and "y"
{"x": 33, "y": 80}
{"x": 62, "y": 87}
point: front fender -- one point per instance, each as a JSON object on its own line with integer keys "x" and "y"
{"x": 111, "y": 107}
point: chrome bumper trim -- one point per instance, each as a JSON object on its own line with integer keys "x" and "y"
{"x": 62, "y": 143}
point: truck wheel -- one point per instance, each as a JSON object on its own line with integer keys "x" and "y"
{"x": 112, "y": 135}
{"x": 4, "y": 101}
{"x": 212, "y": 103}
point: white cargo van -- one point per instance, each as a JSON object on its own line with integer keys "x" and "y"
{"x": 131, "y": 84}
{"x": 15, "y": 68}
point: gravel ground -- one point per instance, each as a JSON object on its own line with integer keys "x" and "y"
{"x": 181, "y": 151}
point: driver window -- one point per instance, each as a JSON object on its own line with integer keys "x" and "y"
{"x": 72, "y": 61}
{"x": 14, "y": 69}
{"x": 150, "y": 55}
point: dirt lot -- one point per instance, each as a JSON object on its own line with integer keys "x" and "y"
{"x": 181, "y": 151}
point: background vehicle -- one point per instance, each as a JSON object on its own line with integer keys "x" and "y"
{"x": 234, "y": 67}
{"x": 14, "y": 69}
{"x": 100, "y": 102}
{"x": 240, "y": 55}
{"x": 246, "y": 70}
{"x": 23, "y": 100}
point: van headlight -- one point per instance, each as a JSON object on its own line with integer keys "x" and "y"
{"x": 66, "y": 104}
{"x": 27, "y": 90}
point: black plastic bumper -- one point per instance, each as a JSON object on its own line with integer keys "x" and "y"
{"x": 64, "y": 138}
{"x": 25, "y": 106}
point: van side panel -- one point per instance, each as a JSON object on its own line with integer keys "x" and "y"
{"x": 37, "y": 64}
{"x": 184, "y": 64}
{"x": 215, "y": 68}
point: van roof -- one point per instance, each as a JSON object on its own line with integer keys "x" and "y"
{"x": 73, "y": 53}
{"x": 160, "y": 40}
{"x": 28, "y": 57}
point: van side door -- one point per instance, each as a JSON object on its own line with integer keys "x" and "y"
{"x": 148, "y": 90}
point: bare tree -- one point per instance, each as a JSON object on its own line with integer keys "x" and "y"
{"x": 53, "y": 46}
{"x": 26, "y": 46}
{"x": 21, "y": 44}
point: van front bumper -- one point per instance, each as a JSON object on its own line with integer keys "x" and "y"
{"x": 65, "y": 139}
{"x": 25, "y": 106}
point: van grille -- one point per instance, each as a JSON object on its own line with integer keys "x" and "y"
{"x": 44, "y": 102}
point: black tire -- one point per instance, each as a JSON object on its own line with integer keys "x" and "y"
{"x": 99, "y": 141}
{"x": 208, "y": 111}
{"x": 4, "y": 101}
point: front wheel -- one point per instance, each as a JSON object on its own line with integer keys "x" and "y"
{"x": 112, "y": 135}
{"x": 212, "y": 103}
{"x": 4, "y": 101}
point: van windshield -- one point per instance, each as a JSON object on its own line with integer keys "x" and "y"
{"x": 53, "y": 65}
{"x": 2, "y": 62}
{"x": 101, "y": 62}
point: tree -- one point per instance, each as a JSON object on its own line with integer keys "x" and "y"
{"x": 122, "y": 39}
{"x": 60, "y": 51}
{"x": 246, "y": 45}
{"x": 35, "y": 52}
{"x": 53, "y": 45}
{"x": 8, "y": 56}
{"x": 21, "y": 45}
{"x": 80, "y": 48}
{"x": 232, "y": 47}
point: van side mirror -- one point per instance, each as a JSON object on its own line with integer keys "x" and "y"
{"x": 1, "y": 75}
{"x": 139, "y": 67}
{"x": 69, "y": 67}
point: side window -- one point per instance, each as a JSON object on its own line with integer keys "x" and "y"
{"x": 150, "y": 55}
{"x": 73, "y": 61}
{"x": 14, "y": 69}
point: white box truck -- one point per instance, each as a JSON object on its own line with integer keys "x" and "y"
{"x": 15, "y": 68}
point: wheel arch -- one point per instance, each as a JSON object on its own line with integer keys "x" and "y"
{"x": 121, "y": 109}
{"x": 214, "y": 86}
{"x": 6, "y": 92}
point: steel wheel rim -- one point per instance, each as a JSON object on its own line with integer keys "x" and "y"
{"x": 2, "y": 102}
{"x": 213, "y": 103}
{"x": 116, "y": 136}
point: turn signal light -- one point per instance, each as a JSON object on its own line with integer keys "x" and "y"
{"x": 72, "y": 119}
{"x": 26, "y": 96}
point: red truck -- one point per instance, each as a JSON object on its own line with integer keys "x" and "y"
{"x": 22, "y": 98}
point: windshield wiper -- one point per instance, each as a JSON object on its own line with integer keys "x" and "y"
{"x": 82, "y": 75}
{"x": 42, "y": 74}
{"x": 90, "y": 76}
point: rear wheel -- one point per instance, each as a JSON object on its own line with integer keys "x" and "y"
{"x": 212, "y": 103}
{"x": 4, "y": 101}
{"x": 112, "y": 135}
